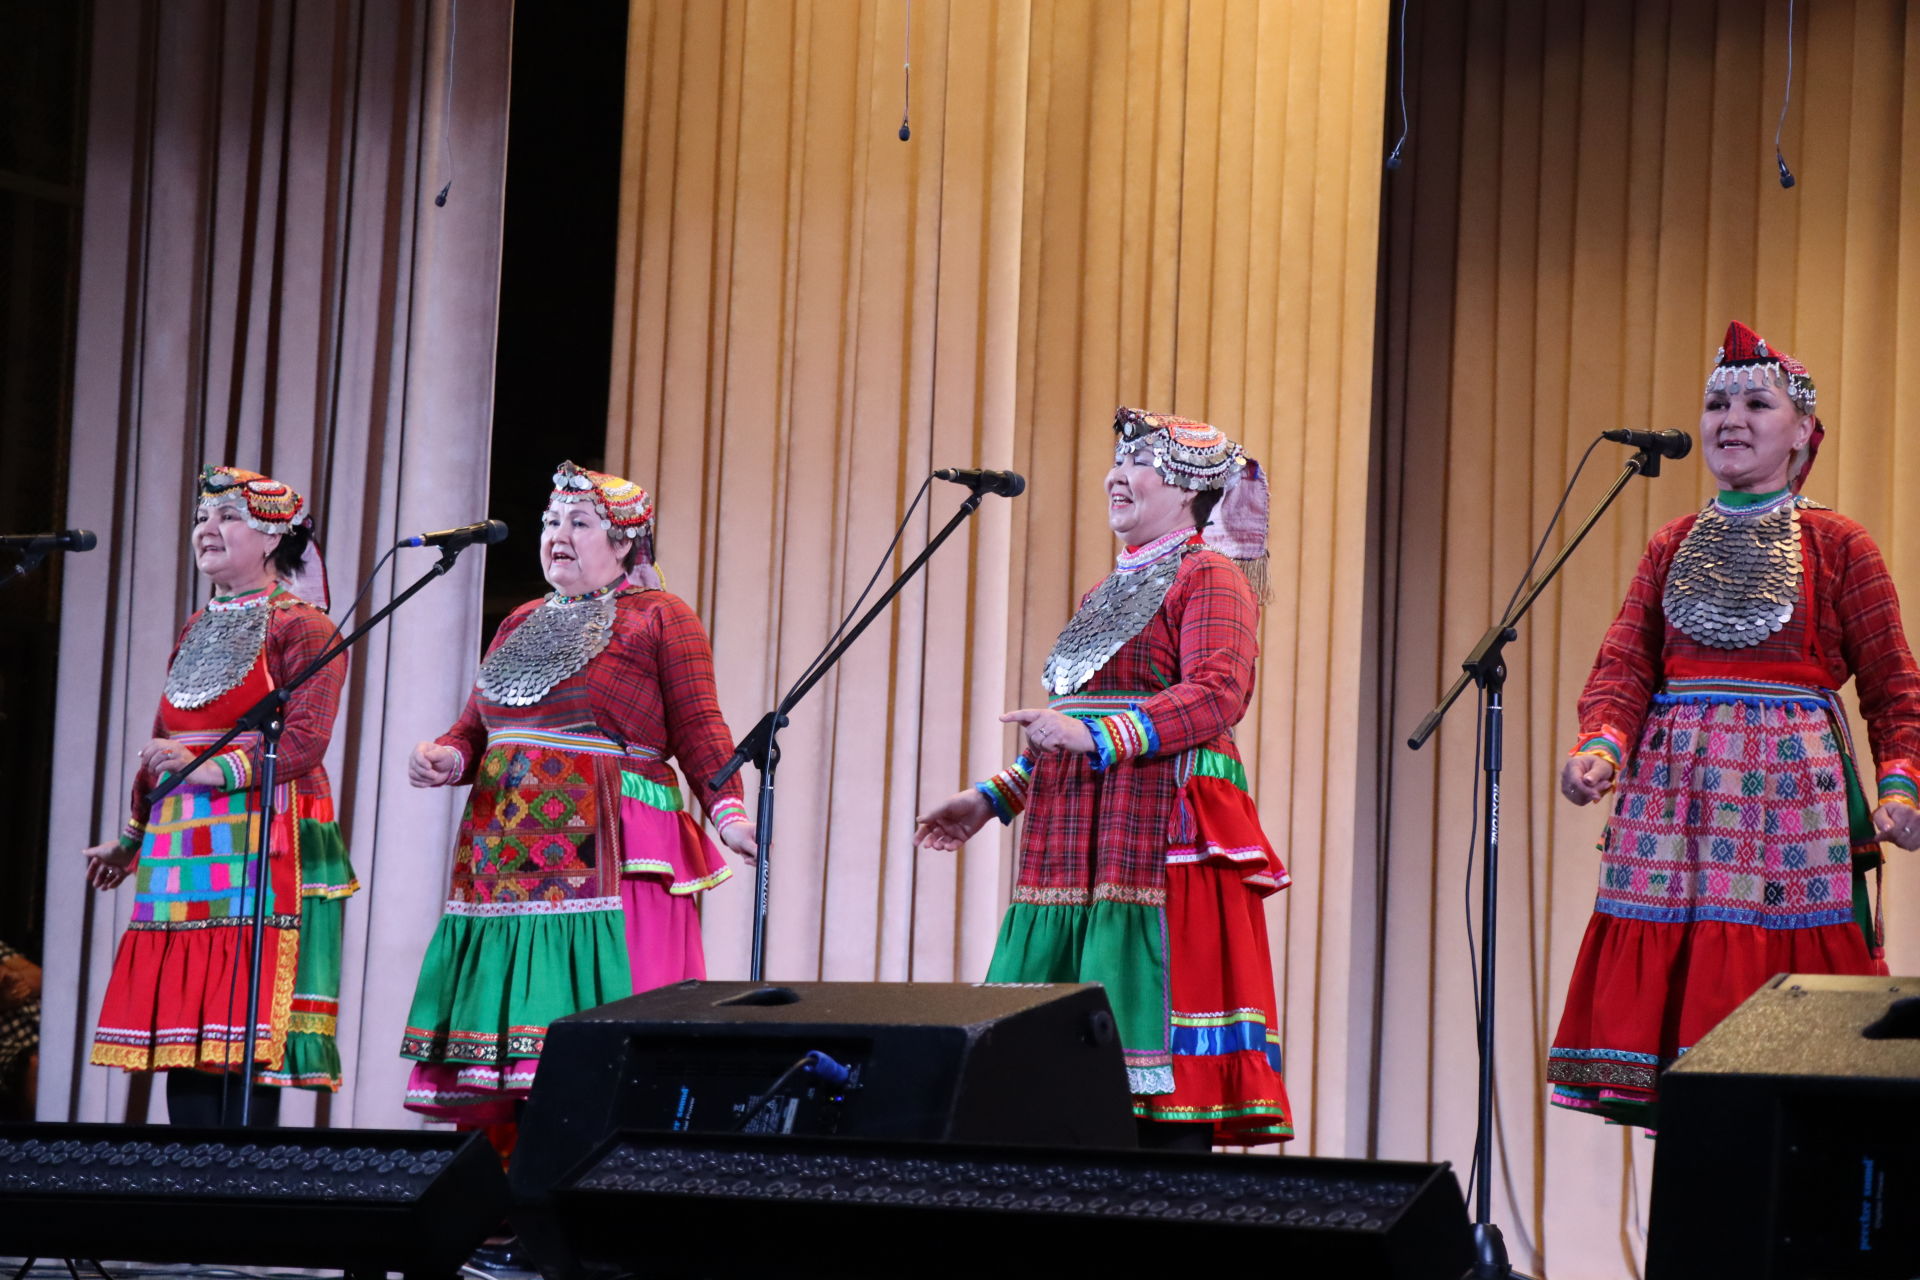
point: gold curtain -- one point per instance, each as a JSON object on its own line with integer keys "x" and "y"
{"x": 1591, "y": 195}
{"x": 1161, "y": 202}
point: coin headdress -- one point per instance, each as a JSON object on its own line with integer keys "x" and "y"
{"x": 624, "y": 508}
{"x": 273, "y": 508}
{"x": 1745, "y": 361}
{"x": 1199, "y": 456}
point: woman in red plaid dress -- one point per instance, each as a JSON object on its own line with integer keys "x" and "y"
{"x": 1142, "y": 862}
{"x": 1740, "y": 836}
{"x": 177, "y": 998}
{"x": 577, "y": 865}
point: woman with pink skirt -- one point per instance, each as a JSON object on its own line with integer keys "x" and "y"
{"x": 577, "y": 867}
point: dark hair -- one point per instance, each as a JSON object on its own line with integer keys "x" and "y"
{"x": 291, "y": 551}
{"x": 1204, "y": 501}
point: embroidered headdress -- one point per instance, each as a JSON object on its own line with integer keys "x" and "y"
{"x": 271, "y": 507}
{"x": 1197, "y": 455}
{"x": 624, "y": 509}
{"x": 1745, "y": 361}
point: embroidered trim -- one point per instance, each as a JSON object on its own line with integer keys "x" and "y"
{"x": 541, "y": 907}
{"x": 1007, "y": 790}
{"x": 1606, "y": 742}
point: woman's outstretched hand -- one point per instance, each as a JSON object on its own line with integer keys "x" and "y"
{"x": 1584, "y": 779}
{"x": 953, "y": 821}
{"x": 1052, "y": 731}
{"x": 108, "y": 864}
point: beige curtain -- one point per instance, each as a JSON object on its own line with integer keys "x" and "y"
{"x": 266, "y": 281}
{"x": 1159, "y": 202}
{"x": 1591, "y": 196}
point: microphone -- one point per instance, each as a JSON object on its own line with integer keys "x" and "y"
{"x": 1008, "y": 484}
{"x": 486, "y": 531}
{"x": 1668, "y": 444}
{"x": 29, "y": 543}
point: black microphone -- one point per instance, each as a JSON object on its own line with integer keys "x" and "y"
{"x": 487, "y": 531}
{"x": 1668, "y": 444}
{"x": 1008, "y": 484}
{"x": 71, "y": 540}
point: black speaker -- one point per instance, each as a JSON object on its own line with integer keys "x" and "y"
{"x": 729, "y": 1205}
{"x": 366, "y": 1200}
{"x": 933, "y": 1060}
{"x": 1789, "y": 1141}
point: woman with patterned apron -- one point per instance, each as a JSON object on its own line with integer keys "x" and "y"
{"x": 1740, "y": 837}
{"x": 577, "y": 866}
{"x": 177, "y": 998}
{"x": 1142, "y": 862}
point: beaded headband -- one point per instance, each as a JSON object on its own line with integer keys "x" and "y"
{"x": 1187, "y": 454}
{"x": 271, "y": 507}
{"x": 622, "y": 505}
{"x": 1745, "y": 362}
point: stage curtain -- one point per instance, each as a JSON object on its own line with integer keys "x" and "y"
{"x": 1157, "y": 203}
{"x": 266, "y": 281}
{"x": 1590, "y": 196}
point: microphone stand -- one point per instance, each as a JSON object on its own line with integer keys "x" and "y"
{"x": 1486, "y": 666}
{"x": 760, "y": 745}
{"x": 268, "y": 718}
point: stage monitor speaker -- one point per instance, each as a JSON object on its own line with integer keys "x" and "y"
{"x": 360, "y": 1200}
{"x": 1789, "y": 1142}
{"x": 941, "y": 1061}
{"x": 733, "y": 1205}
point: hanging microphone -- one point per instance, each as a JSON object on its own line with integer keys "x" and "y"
{"x": 71, "y": 540}
{"x": 1008, "y": 484}
{"x": 486, "y": 531}
{"x": 1668, "y": 444}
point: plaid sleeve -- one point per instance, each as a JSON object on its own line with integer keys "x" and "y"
{"x": 297, "y": 634}
{"x": 1619, "y": 690}
{"x": 468, "y": 736}
{"x": 1874, "y": 646}
{"x": 697, "y": 733}
{"x": 1214, "y": 614}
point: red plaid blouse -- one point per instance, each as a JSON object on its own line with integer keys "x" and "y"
{"x": 651, "y": 690}
{"x": 1102, "y": 834}
{"x": 1847, "y": 624}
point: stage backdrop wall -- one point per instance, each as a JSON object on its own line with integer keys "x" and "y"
{"x": 1590, "y": 197}
{"x": 266, "y": 281}
{"x": 1157, "y": 203}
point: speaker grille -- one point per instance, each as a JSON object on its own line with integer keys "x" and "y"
{"x": 236, "y": 1170}
{"x": 1264, "y": 1193}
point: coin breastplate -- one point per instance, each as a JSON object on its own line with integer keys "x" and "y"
{"x": 220, "y": 647}
{"x": 1115, "y": 612}
{"x": 1736, "y": 578}
{"x": 554, "y": 641}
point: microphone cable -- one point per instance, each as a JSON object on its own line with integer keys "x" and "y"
{"x": 885, "y": 559}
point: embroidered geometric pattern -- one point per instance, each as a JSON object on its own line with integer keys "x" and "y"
{"x": 533, "y": 823}
{"x": 1764, "y": 836}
